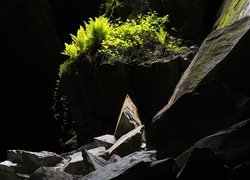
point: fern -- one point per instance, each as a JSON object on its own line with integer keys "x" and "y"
{"x": 71, "y": 50}
{"x": 161, "y": 36}
{"x": 96, "y": 31}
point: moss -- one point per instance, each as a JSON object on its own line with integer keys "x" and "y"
{"x": 231, "y": 12}
{"x": 139, "y": 39}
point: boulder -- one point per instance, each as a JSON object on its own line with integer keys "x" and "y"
{"x": 242, "y": 171}
{"x": 76, "y": 165}
{"x": 106, "y": 140}
{"x": 154, "y": 83}
{"x": 33, "y": 160}
{"x": 92, "y": 162}
{"x": 97, "y": 151}
{"x": 202, "y": 103}
{"x": 128, "y": 143}
{"x": 203, "y": 164}
{"x": 49, "y": 173}
{"x": 207, "y": 110}
{"x": 160, "y": 169}
{"x": 128, "y": 118}
{"x": 231, "y": 143}
{"x": 13, "y": 171}
{"x": 113, "y": 158}
{"x": 231, "y": 11}
{"x": 117, "y": 168}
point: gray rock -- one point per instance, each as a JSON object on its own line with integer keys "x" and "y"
{"x": 92, "y": 162}
{"x": 232, "y": 144}
{"x": 113, "y": 158}
{"x": 76, "y": 165}
{"x": 202, "y": 103}
{"x": 49, "y": 173}
{"x": 212, "y": 52}
{"x": 97, "y": 151}
{"x": 128, "y": 143}
{"x": 232, "y": 10}
{"x": 128, "y": 118}
{"x": 117, "y": 168}
{"x": 33, "y": 160}
{"x": 13, "y": 171}
{"x": 106, "y": 140}
{"x": 160, "y": 169}
{"x": 203, "y": 164}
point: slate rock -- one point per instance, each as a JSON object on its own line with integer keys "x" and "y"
{"x": 117, "y": 168}
{"x": 128, "y": 118}
{"x": 128, "y": 143}
{"x": 196, "y": 115}
{"x": 231, "y": 11}
{"x": 49, "y": 173}
{"x": 33, "y": 160}
{"x": 159, "y": 169}
{"x": 204, "y": 103}
{"x": 92, "y": 162}
{"x": 76, "y": 165}
{"x": 231, "y": 143}
{"x": 203, "y": 164}
{"x": 241, "y": 171}
{"x": 106, "y": 140}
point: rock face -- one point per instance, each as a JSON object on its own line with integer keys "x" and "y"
{"x": 231, "y": 144}
{"x": 95, "y": 99}
{"x": 203, "y": 164}
{"x": 47, "y": 173}
{"x": 119, "y": 167}
{"x": 232, "y": 11}
{"x": 197, "y": 101}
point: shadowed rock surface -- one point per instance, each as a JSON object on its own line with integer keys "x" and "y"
{"x": 231, "y": 143}
{"x": 199, "y": 106}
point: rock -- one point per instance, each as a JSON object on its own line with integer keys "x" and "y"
{"x": 160, "y": 169}
{"x": 8, "y": 166}
{"x": 10, "y": 170}
{"x": 128, "y": 143}
{"x": 242, "y": 171}
{"x": 93, "y": 146}
{"x": 231, "y": 143}
{"x": 95, "y": 97}
{"x": 203, "y": 164}
{"x": 128, "y": 118}
{"x": 106, "y": 140}
{"x": 92, "y": 162}
{"x": 13, "y": 176}
{"x": 231, "y": 11}
{"x": 209, "y": 109}
{"x": 76, "y": 165}
{"x": 154, "y": 83}
{"x": 49, "y": 173}
{"x": 97, "y": 151}
{"x": 33, "y": 160}
{"x": 200, "y": 98}
{"x": 117, "y": 168}
{"x": 113, "y": 158}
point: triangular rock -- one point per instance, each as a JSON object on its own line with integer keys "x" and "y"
{"x": 128, "y": 118}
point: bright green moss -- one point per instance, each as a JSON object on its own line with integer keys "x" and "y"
{"x": 140, "y": 39}
{"x": 231, "y": 12}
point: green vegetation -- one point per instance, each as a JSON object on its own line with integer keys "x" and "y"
{"x": 140, "y": 39}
